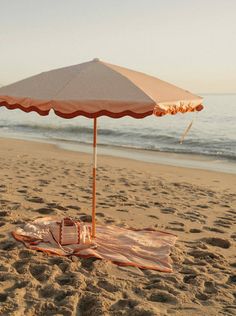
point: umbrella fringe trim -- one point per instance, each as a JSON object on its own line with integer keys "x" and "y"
{"x": 157, "y": 111}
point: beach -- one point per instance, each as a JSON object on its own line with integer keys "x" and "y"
{"x": 199, "y": 206}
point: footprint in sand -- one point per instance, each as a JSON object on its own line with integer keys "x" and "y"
{"x": 45, "y": 210}
{"x": 217, "y": 242}
{"x": 189, "y": 279}
{"x": 233, "y": 236}
{"x": 201, "y": 296}
{"x": 176, "y": 223}
{"x": 174, "y": 228}
{"x": 21, "y": 266}
{"x": 122, "y": 210}
{"x": 232, "y": 279}
{"x": 165, "y": 192}
{"x": 163, "y": 297}
{"x": 125, "y": 304}
{"x": 14, "y": 205}
{"x": 103, "y": 205}
{"x": 91, "y": 304}
{"x": 43, "y": 183}
{"x": 232, "y": 212}
{"x": 62, "y": 262}
{"x": 62, "y": 208}
{"x": 158, "y": 204}
{"x": 69, "y": 279}
{"x": 22, "y": 191}
{"x": 153, "y": 216}
{"x": 225, "y": 205}
{"x": 206, "y": 255}
{"x": 233, "y": 264}
{"x": 195, "y": 230}
{"x": 189, "y": 271}
{"x": 3, "y": 189}
{"x": 110, "y": 204}
{"x": 52, "y": 205}
{"x": 86, "y": 218}
{"x": 40, "y": 272}
{"x": 202, "y": 206}
{"x": 210, "y": 287}
{"x": 5, "y": 213}
{"x": 62, "y": 294}
{"x": 143, "y": 205}
{"x": 3, "y": 297}
{"x": 163, "y": 285}
{"x": 223, "y": 223}
{"x": 228, "y": 310}
{"x": 19, "y": 221}
{"x": 89, "y": 264}
{"x": 74, "y": 207}
{"x": 63, "y": 193}
{"x": 100, "y": 214}
{"x": 21, "y": 284}
{"x": 168, "y": 210}
{"x": 26, "y": 254}
{"x": 109, "y": 220}
{"x": 92, "y": 288}
{"x": 8, "y": 245}
{"x": 106, "y": 285}
{"x": 194, "y": 216}
{"x": 227, "y": 218}
{"x": 214, "y": 229}
{"x": 48, "y": 291}
{"x": 35, "y": 199}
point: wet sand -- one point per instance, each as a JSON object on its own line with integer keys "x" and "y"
{"x": 198, "y": 206}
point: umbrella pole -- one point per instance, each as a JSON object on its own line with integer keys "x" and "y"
{"x": 94, "y": 177}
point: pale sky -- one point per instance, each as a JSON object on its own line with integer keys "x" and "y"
{"x": 190, "y": 43}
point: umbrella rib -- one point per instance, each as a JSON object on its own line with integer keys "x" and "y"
{"x": 128, "y": 79}
{"x": 66, "y": 84}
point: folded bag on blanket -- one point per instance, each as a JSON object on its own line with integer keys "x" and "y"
{"x": 67, "y": 232}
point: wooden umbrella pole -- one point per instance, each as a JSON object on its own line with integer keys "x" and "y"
{"x": 94, "y": 177}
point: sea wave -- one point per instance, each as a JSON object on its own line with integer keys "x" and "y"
{"x": 84, "y": 130}
{"x": 164, "y": 149}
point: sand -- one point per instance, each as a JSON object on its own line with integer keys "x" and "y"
{"x": 198, "y": 206}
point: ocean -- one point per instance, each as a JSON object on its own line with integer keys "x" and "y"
{"x": 213, "y": 133}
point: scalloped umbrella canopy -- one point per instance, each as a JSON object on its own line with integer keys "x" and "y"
{"x": 96, "y": 88}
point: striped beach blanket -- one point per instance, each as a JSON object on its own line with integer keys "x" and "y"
{"x": 145, "y": 249}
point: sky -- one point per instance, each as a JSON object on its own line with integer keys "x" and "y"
{"x": 191, "y": 44}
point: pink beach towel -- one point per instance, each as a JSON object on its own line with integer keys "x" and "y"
{"x": 146, "y": 248}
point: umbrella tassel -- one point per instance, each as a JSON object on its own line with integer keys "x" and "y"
{"x": 186, "y": 132}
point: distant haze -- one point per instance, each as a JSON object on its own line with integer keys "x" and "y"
{"x": 189, "y": 43}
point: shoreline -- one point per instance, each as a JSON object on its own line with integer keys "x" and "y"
{"x": 183, "y": 160}
{"x": 195, "y": 176}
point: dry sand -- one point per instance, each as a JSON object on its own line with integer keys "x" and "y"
{"x": 199, "y": 206}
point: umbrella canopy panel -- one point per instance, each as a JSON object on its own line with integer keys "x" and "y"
{"x": 96, "y": 88}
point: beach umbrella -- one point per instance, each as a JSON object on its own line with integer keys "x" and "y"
{"x": 93, "y": 89}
